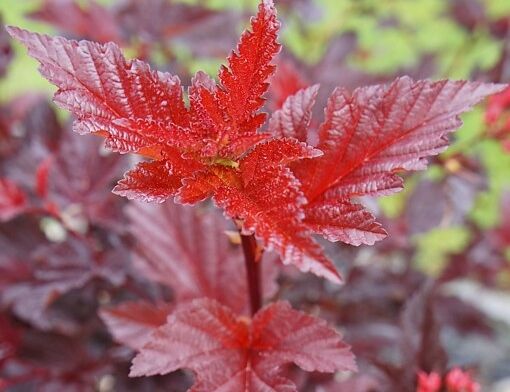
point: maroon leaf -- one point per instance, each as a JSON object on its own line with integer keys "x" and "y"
{"x": 34, "y": 273}
{"x": 230, "y": 353}
{"x": 31, "y": 286}
{"x": 421, "y": 345}
{"x": 76, "y": 183}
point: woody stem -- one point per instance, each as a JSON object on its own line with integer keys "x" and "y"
{"x": 252, "y": 261}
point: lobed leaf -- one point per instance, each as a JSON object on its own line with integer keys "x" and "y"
{"x": 227, "y": 353}
{"x": 227, "y": 112}
{"x": 266, "y": 196}
{"x": 213, "y": 149}
{"x": 368, "y": 137}
{"x": 244, "y": 81}
{"x": 133, "y": 106}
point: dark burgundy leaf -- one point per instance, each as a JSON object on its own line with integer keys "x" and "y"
{"x": 189, "y": 251}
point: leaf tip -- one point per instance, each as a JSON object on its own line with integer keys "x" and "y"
{"x": 15, "y": 32}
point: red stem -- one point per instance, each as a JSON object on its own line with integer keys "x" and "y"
{"x": 252, "y": 260}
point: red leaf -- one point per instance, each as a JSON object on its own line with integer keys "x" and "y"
{"x": 221, "y": 114}
{"x": 135, "y": 106}
{"x": 187, "y": 250}
{"x": 274, "y": 216}
{"x": 458, "y": 380}
{"x": 371, "y": 135}
{"x": 220, "y": 127}
{"x": 497, "y": 116}
{"x": 343, "y": 221}
{"x": 274, "y": 153}
{"x": 293, "y": 119}
{"x": 155, "y": 181}
{"x": 233, "y": 354}
{"x": 131, "y": 323}
{"x": 13, "y": 200}
{"x": 266, "y": 196}
{"x": 150, "y": 182}
{"x": 214, "y": 150}
{"x": 286, "y": 81}
{"x": 428, "y": 382}
{"x": 41, "y": 177}
{"x": 245, "y": 80}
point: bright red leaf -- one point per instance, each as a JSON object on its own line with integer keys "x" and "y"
{"x": 244, "y": 82}
{"x": 458, "y": 380}
{"x": 155, "y": 181}
{"x": 369, "y": 136}
{"x": 455, "y": 380}
{"x": 228, "y": 353}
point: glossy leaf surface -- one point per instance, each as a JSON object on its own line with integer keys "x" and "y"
{"x": 368, "y": 137}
